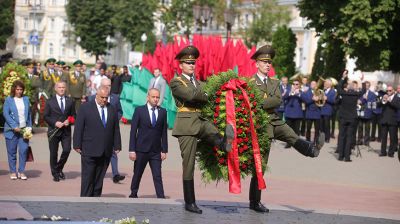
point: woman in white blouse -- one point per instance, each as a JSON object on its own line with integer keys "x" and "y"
{"x": 16, "y": 112}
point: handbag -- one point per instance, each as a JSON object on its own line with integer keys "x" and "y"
{"x": 29, "y": 155}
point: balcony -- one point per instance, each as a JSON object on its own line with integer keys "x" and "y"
{"x": 37, "y": 9}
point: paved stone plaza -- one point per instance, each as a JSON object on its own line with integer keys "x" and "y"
{"x": 299, "y": 190}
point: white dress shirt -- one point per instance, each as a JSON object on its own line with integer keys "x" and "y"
{"x": 261, "y": 77}
{"x": 151, "y": 111}
{"x": 59, "y": 100}
{"x": 19, "y": 103}
{"x": 99, "y": 109}
{"x": 188, "y": 77}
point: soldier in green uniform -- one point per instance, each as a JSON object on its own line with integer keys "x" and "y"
{"x": 60, "y": 74}
{"x": 77, "y": 85}
{"x": 36, "y": 84}
{"x": 189, "y": 125}
{"x": 276, "y": 128}
{"x": 49, "y": 77}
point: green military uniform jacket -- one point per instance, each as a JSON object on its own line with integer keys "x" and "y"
{"x": 189, "y": 99}
{"x": 76, "y": 84}
{"x": 272, "y": 100}
{"x": 48, "y": 81}
{"x": 36, "y": 84}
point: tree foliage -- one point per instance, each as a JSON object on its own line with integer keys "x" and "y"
{"x": 319, "y": 63}
{"x": 92, "y": 23}
{"x": 267, "y": 17}
{"x": 6, "y": 21}
{"x": 284, "y": 43}
{"x": 133, "y": 18}
{"x": 367, "y": 28}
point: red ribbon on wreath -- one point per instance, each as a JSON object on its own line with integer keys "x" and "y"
{"x": 233, "y": 156}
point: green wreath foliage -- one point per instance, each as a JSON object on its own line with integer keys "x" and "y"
{"x": 212, "y": 161}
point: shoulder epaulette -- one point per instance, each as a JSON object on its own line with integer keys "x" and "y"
{"x": 181, "y": 80}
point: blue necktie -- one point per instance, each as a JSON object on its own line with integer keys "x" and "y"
{"x": 103, "y": 117}
{"x": 153, "y": 117}
{"x": 62, "y": 104}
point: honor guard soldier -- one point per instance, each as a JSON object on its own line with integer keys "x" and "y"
{"x": 276, "y": 128}
{"x": 77, "y": 85}
{"x": 189, "y": 125}
{"x": 49, "y": 77}
{"x": 36, "y": 84}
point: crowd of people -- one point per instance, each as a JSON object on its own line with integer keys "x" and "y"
{"x": 89, "y": 100}
{"x": 365, "y": 113}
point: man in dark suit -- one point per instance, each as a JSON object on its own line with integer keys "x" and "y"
{"x": 347, "y": 116}
{"x": 148, "y": 142}
{"x": 113, "y": 99}
{"x": 96, "y": 135}
{"x": 390, "y": 104}
{"x": 327, "y": 109}
{"x": 159, "y": 83}
{"x": 58, "y": 109}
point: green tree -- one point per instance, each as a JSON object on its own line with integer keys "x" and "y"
{"x": 335, "y": 61}
{"x": 6, "y": 21}
{"x": 319, "y": 63}
{"x": 284, "y": 43}
{"x": 178, "y": 17}
{"x": 133, "y": 18}
{"x": 367, "y": 28}
{"x": 91, "y": 22}
{"x": 266, "y": 17}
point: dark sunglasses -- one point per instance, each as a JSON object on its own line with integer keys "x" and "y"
{"x": 189, "y": 62}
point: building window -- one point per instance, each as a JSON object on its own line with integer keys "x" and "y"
{"x": 24, "y": 49}
{"x": 63, "y": 50}
{"x": 53, "y": 2}
{"x": 26, "y": 23}
{"x": 37, "y": 49}
{"x": 51, "y": 49}
{"x": 26, "y": 2}
{"x": 52, "y": 24}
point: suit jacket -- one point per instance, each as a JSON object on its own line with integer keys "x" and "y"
{"x": 285, "y": 90}
{"x": 10, "y": 113}
{"x": 114, "y": 100}
{"x": 389, "y": 111}
{"x": 293, "y": 107}
{"x": 116, "y": 84}
{"x": 91, "y": 136}
{"x": 160, "y": 85}
{"x": 327, "y": 109}
{"x": 312, "y": 110}
{"x": 146, "y": 138}
{"x": 187, "y": 95}
{"x": 348, "y": 102}
{"x": 52, "y": 113}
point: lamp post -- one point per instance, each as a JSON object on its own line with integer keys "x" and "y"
{"x": 201, "y": 15}
{"x": 143, "y": 38}
{"x": 229, "y": 16}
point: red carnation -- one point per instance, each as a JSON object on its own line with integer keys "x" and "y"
{"x": 245, "y": 147}
{"x": 215, "y": 121}
{"x": 252, "y": 95}
{"x": 241, "y": 121}
{"x": 239, "y": 140}
{"x": 238, "y": 109}
{"x": 219, "y": 92}
{"x": 244, "y": 166}
{"x": 243, "y": 105}
{"x": 239, "y": 131}
{"x": 254, "y": 103}
{"x": 215, "y": 114}
{"x": 124, "y": 120}
{"x": 241, "y": 97}
{"x": 217, "y": 108}
{"x": 218, "y": 100}
{"x": 221, "y": 160}
{"x": 71, "y": 119}
{"x": 245, "y": 112}
{"x": 241, "y": 150}
{"x": 246, "y": 139}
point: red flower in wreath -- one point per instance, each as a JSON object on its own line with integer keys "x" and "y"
{"x": 254, "y": 103}
{"x": 252, "y": 95}
{"x": 218, "y": 100}
{"x": 221, "y": 160}
{"x": 215, "y": 114}
{"x": 241, "y": 121}
{"x": 239, "y": 131}
{"x": 218, "y": 93}
{"x": 244, "y": 166}
{"x": 217, "y": 109}
{"x": 241, "y": 97}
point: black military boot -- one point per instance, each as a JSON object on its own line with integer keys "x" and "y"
{"x": 255, "y": 197}
{"x": 309, "y": 149}
{"x": 190, "y": 200}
